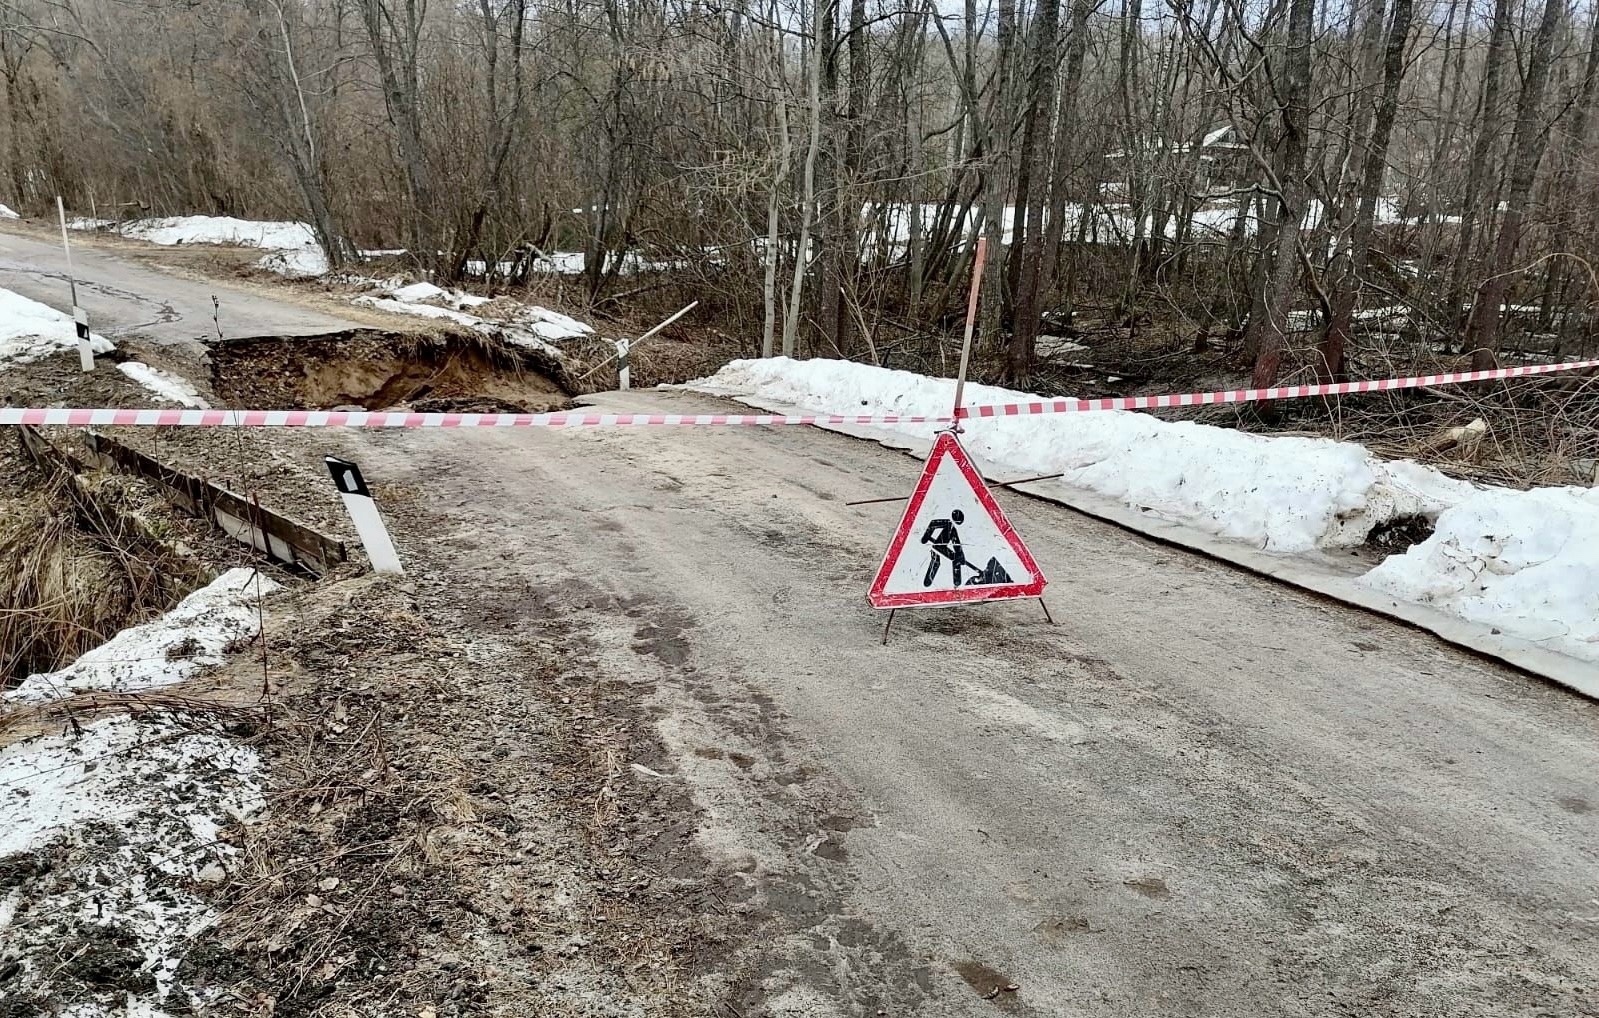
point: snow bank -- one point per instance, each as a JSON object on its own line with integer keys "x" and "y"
{"x": 1526, "y": 562}
{"x": 164, "y": 385}
{"x": 30, "y": 331}
{"x": 6, "y": 212}
{"x": 293, "y": 246}
{"x": 532, "y": 326}
{"x": 1285, "y": 495}
{"x": 192, "y": 636}
{"x": 125, "y": 816}
{"x": 275, "y": 236}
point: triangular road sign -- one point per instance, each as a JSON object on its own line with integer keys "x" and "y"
{"x": 954, "y": 543}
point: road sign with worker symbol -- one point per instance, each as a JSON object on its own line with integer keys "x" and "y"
{"x": 954, "y": 543}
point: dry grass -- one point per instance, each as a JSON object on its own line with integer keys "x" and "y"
{"x": 64, "y": 588}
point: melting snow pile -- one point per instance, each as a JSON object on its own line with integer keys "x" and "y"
{"x": 110, "y": 831}
{"x": 294, "y": 247}
{"x": 1524, "y": 561}
{"x": 164, "y": 384}
{"x": 30, "y": 331}
{"x": 528, "y": 325}
{"x": 195, "y": 634}
{"x": 1527, "y": 562}
{"x": 428, "y": 293}
{"x": 6, "y": 212}
{"x": 1286, "y": 495}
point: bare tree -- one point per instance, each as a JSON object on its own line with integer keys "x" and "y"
{"x": 1527, "y": 145}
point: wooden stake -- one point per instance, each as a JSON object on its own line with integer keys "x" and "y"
{"x": 971, "y": 326}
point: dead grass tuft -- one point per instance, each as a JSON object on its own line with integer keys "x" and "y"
{"x": 69, "y": 579}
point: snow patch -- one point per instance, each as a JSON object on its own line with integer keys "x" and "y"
{"x": 552, "y": 325}
{"x": 427, "y": 292}
{"x": 164, "y": 385}
{"x": 30, "y": 331}
{"x": 400, "y": 307}
{"x": 532, "y": 327}
{"x": 1525, "y": 562}
{"x": 6, "y": 212}
{"x": 132, "y": 812}
{"x": 293, "y": 245}
{"x": 192, "y": 636}
{"x": 295, "y": 263}
{"x": 1287, "y": 495}
{"x": 276, "y": 236}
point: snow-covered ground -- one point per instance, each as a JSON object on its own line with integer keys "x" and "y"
{"x": 30, "y": 331}
{"x": 192, "y": 636}
{"x": 522, "y": 324}
{"x": 6, "y": 212}
{"x": 1525, "y": 562}
{"x": 293, "y": 246}
{"x": 164, "y": 385}
{"x": 125, "y": 818}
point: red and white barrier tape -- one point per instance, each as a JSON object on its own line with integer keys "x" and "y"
{"x": 1066, "y": 406}
{"x": 400, "y": 419}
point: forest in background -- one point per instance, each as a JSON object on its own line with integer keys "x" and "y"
{"x": 1296, "y": 178}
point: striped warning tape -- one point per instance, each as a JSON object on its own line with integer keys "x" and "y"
{"x": 1064, "y": 406}
{"x": 399, "y": 419}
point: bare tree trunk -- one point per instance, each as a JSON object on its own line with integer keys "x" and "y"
{"x": 1001, "y": 125}
{"x": 808, "y": 206}
{"x": 1575, "y": 151}
{"x": 395, "y": 37}
{"x": 1347, "y": 282}
{"x": 1293, "y": 190}
{"x": 1065, "y": 150}
{"x": 504, "y": 123}
{"x": 773, "y": 203}
{"x": 1037, "y": 144}
{"x": 1481, "y": 150}
{"x": 1526, "y": 145}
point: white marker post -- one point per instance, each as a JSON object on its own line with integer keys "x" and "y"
{"x": 80, "y": 317}
{"x": 624, "y": 378}
{"x": 364, "y": 514}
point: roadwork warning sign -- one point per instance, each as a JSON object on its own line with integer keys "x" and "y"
{"x": 954, "y": 543}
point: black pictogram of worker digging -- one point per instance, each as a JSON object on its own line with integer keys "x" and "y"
{"x": 946, "y": 541}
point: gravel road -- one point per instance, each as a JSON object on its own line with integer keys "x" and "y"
{"x": 125, "y": 297}
{"x": 1200, "y": 794}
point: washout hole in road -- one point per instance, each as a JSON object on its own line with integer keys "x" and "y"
{"x": 365, "y": 369}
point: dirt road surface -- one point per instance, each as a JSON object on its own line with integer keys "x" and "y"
{"x": 1199, "y": 794}
{"x": 125, "y": 297}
